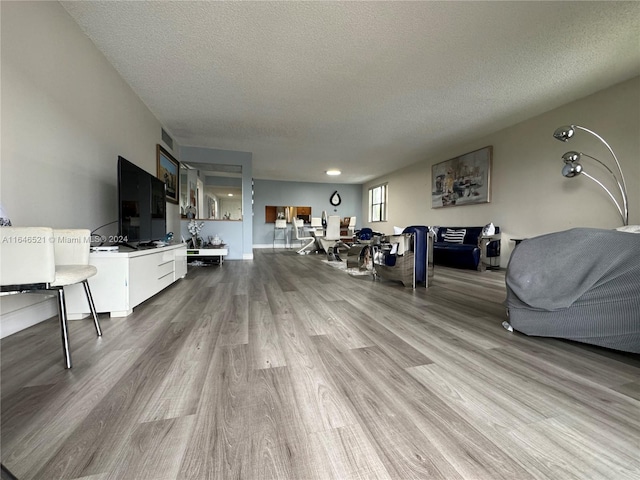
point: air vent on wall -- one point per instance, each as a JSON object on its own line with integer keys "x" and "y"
{"x": 166, "y": 138}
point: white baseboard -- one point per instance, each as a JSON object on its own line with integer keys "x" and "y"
{"x": 247, "y": 256}
{"x": 15, "y": 320}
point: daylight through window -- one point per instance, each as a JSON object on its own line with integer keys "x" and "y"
{"x": 378, "y": 203}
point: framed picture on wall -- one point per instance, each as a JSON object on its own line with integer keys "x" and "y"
{"x": 168, "y": 171}
{"x": 464, "y": 180}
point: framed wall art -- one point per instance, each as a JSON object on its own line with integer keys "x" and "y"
{"x": 464, "y": 180}
{"x": 168, "y": 171}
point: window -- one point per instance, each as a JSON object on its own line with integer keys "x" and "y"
{"x": 378, "y": 203}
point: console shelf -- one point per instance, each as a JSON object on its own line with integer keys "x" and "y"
{"x": 217, "y": 252}
{"x": 125, "y": 279}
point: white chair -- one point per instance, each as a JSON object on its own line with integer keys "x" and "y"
{"x": 317, "y": 230}
{"x": 352, "y": 226}
{"x": 40, "y": 260}
{"x": 333, "y": 228}
{"x": 280, "y": 231}
{"x": 332, "y": 240}
{"x": 297, "y": 225}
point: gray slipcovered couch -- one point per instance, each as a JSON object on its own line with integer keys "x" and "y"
{"x": 581, "y": 284}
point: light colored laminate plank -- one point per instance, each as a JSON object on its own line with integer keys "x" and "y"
{"x": 459, "y": 443}
{"x": 320, "y": 403}
{"x": 404, "y": 451}
{"x": 264, "y": 343}
{"x": 39, "y": 442}
{"x": 154, "y": 450}
{"x": 348, "y": 454}
{"x": 179, "y": 392}
{"x": 99, "y": 440}
{"x": 219, "y": 445}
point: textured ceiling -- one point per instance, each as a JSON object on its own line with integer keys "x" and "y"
{"x": 367, "y": 87}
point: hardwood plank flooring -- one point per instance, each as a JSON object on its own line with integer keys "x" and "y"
{"x": 284, "y": 367}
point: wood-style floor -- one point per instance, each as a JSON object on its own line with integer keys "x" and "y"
{"x": 286, "y": 368}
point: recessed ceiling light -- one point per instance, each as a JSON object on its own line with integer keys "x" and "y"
{"x": 229, "y": 194}
{"x": 333, "y": 172}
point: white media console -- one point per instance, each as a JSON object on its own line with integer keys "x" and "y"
{"x": 125, "y": 279}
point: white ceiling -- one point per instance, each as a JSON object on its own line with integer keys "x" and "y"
{"x": 367, "y": 87}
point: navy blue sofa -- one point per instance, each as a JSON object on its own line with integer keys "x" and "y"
{"x": 468, "y": 253}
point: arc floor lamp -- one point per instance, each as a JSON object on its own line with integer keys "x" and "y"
{"x": 573, "y": 167}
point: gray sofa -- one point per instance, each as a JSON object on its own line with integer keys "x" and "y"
{"x": 581, "y": 284}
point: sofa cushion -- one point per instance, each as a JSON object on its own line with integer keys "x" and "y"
{"x": 455, "y": 247}
{"x": 455, "y": 236}
{"x": 471, "y": 237}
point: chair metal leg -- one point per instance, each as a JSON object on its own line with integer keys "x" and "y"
{"x": 87, "y": 290}
{"x": 304, "y": 250}
{"x": 64, "y": 331}
{"x": 285, "y": 238}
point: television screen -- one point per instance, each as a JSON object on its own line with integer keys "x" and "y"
{"x": 141, "y": 204}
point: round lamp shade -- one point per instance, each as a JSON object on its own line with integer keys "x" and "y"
{"x": 564, "y": 133}
{"x": 571, "y": 170}
{"x": 571, "y": 157}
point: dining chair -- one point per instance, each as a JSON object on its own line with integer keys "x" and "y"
{"x": 41, "y": 260}
{"x": 280, "y": 232}
{"x": 332, "y": 241}
{"x": 311, "y": 240}
{"x": 317, "y": 228}
{"x": 351, "y": 229}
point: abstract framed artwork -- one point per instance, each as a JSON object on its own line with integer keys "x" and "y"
{"x": 464, "y": 180}
{"x": 168, "y": 171}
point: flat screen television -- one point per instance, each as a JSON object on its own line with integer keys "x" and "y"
{"x": 141, "y": 205}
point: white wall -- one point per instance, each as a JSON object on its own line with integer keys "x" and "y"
{"x": 529, "y": 195}
{"x": 66, "y": 116}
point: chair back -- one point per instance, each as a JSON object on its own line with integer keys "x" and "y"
{"x": 333, "y": 228}
{"x": 316, "y": 226}
{"x": 281, "y": 223}
{"x": 352, "y": 226}
{"x": 72, "y": 246}
{"x": 297, "y": 224}
{"x": 26, "y": 255}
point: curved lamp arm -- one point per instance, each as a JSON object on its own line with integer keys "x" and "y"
{"x": 624, "y": 220}
{"x": 571, "y": 158}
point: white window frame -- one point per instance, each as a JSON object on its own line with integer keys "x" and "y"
{"x": 379, "y": 207}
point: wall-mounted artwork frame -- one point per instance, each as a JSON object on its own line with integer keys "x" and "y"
{"x": 169, "y": 171}
{"x": 463, "y": 180}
